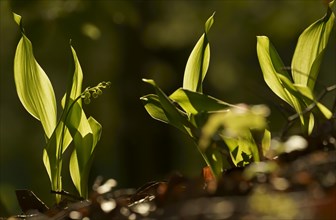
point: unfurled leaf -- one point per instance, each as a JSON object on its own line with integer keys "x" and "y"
{"x": 272, "y": 66}
{"x": 308, "y": 95}
{"x": 215, "y": 158}
{"x": 85, "y": 132}
{"x": 332, "y": 6}
{"x": 82, "y": 157}
{"x": 311, "y": 123}
{"x": 33, "y": 85}
{"x": 310, "y": 49}
{"x": 37, "y": 96}
{"x": 174, "y": 116}
{"x": 195, "y": 102}
{"x": 154, "y": 108}
{"x": 274, "y": 74}
{"x": 198, "y": 62}
{"x": 266, "y": 142}
{"x": 234, "y": 128}
{"x": 240, "y": 147}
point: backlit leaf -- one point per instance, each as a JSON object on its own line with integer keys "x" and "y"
{"x": 308, "y": 95}
{"x": 198, "y": 62}
{"x": 195, "y": 102}
{"x": 33, "y": 85}
{"x": 274, "y": 74}
{"x": 266, "y": 142}
{"x": 310, "y": 49}
{"x": 80, "y": 128}
{"x": 154, "y": 108}
{"x": 175, "y": 117}
{"x": 272, "y": 66}
{"x": 234, "y": 128}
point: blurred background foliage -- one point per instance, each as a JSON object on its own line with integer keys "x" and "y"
{"x": 123, "y": 42}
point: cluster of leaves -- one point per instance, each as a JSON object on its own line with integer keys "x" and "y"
{"x": 36, "y": 94}
{"x": 188, "y": 109}
{"x": 298, "y": 89}
{"x": 225, "y": 134}
{"x": 230, "y": 135}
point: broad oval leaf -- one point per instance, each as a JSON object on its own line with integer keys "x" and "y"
{"x": 175, "y": 117}
{"x": 154, "y": 108}
{"x": 310, "y": 49}
{"x": 275, "y": 76}
{"x": 33, "y": 86}
{"x": 85, "y": 132}
{"x": 198, "y": 61}
{"x": 234, "y": 123}
{"x": 272, "y": 65}
{"x": 76, "y": 88}
{"x": 195, "y": 102}
{"x": 82, "y": 157}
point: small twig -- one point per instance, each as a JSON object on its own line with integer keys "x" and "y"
{"x": 309, "y": 108}
{"x": 65, "y": 193}
{"x": 313, "y": 105}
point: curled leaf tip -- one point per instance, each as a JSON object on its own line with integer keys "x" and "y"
{"x": 150, "y": 81}
{"x": 209, "y": 23}
{"x": 17, "y": 18}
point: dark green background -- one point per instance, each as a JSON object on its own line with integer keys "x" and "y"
{"x": 135, "y": 40}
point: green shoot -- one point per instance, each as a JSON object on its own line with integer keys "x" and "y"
{"x": 36, "y": 94}
{"x": 188, "y": 109}
{"x": 305, "y": 68}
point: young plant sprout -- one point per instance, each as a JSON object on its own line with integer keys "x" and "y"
{"x": 36, "y": 94}
{"x": 207, "y": 120}
{"x": 226, "y": 135}
{"x": 306, "y": 61}
{"x": 189, "y": 109}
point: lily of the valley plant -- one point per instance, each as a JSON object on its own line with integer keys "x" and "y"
{"x": 36, "y": 94}
{"x": 188, "y": 109}
{"x": 297, "y": 89}
{"x": 243, "y": 129}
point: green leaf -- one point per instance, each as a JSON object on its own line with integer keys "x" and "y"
{"x": 198, "y": 62}
{"x": 310, "y": 49}
{"x": 85, "y": 133}
{"x": 154, "y": 108}
{"x": 73, "y": 120}
{"x": 52, "y": 157}
{"x": 332, "y": 6}
{"x": 311, "y": 123}
{"x": 240, "y": 146}
{"x": 33, "y": 85}
{"x": 266, "y": 142}
{"x": 216, "y": 161}
{"x": 272, "y": 66}
{"x": 195, "y": 102}
{"x": 308, "y": 95}
{"x": 234, "y": 128}
{"x": 174, "y": 116}
{"x": 82, "y": 157}
{"x": 274, "y": 75}
{"x": 37, "y": 96}
{"x": 76, "y": 88}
